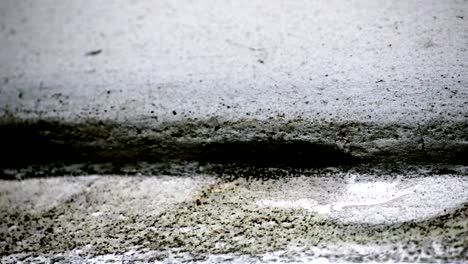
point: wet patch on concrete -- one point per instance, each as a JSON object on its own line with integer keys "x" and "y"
{"x": 54, "y": 147}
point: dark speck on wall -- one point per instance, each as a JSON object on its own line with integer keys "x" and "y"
{"x": 174, "y": 112}
{"x": 93, "y": 52}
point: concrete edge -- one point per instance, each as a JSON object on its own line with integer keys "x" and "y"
{"x": 254, "y": 143}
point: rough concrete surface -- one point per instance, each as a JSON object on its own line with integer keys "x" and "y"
{"x": 286, "y": 131}
{"x": 382, "y": 61}
{"x": 369, "y": 77}
{"x": 340, "y": 217}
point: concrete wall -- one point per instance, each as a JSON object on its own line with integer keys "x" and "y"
{"x": 366, "y": 76}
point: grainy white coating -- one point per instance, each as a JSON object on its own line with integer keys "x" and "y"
{"x": 384, "y": 61}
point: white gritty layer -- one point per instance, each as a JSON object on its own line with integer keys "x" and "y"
{"x": 329, "y": 253}
{"x": 379, "y": 202}
{"x": 385, "y": 61}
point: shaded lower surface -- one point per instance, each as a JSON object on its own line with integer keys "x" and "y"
{"x": 52, "y": 147}
{"x": 42, "y": 143}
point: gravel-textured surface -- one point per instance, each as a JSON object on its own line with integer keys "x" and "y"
{"x": 206, "y": 219}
